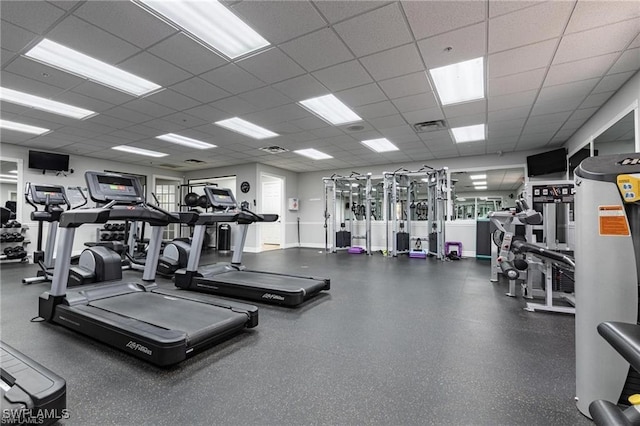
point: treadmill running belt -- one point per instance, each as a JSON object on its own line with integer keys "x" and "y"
{"x": 196, "y": 319}
{"x": 268, "y": 281}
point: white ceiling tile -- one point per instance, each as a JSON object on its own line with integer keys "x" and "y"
{"x": 514, "y": 123}
{"x": 527, "y": 26}
{"x": 514, "y": 83}
{"x": 128, "y": 114}
{"x": 596, "y": 100}
{"x": 612, "y": 82}
{"x": 598, "y": 41}
{"x": 500, "y": 7}
{"x": 103, "y": 93}
{"x": 415, "y": 102}
{"x": 362, "y": 95}
{"x": 105, "y": 120}
{"x": 343, "y": 76}
{"x": 200, "y": 90}
{"x": 235, "y": 106}
{"x": 126, "y": 20}
{"x": 185, "y": 53}
{"x": 406, "y": 85}
{"x": 387, "y": 122}
{"x": 394, "y": 62}
{"x": 301, "y": 88}
{"x": 310, "y": 123}
{"x": 5, "y": 56}
{"x": 567, "y": 90}
{"x": 233, "y": 79}
{"x": 421, "y": 115}
{"x": 149, "y": 108}
{"x": 82, "y": 101}
{"x": 207, "y": 112}
{"x": 18, "y": 82}
{"x": 35, "y": 16}
{"x": 265, "y": 97}
{"x": 185, "y": 120}
{"x": 512, "y": 100}
{"x": 509, "y": 113}
{"x": 13, "y": 38}
{"x": 280, "y": 21}
{"x": 271, "y": 66}
{"x": 336, "y": 11}
{"x": 304, "y": 50}
{"x": 42, "y": 73}
{"x": 278, "y": 114}
{"x": 583, "y": 114}
{"x": 466, "y": 108}
{"x": 556, "y": 105}
{"x": 538, "y": 120}
{"x": 466, "y": 120}
{"x": 326, "y": 132}
{"x": 435, "y": 17}
{"x": 466, "y": 43}
{"x": 380, "y": 109}
{"x": 579, "y": 70}
{"x": 152, "y": 68}
{"x": 91, "y": 40}
{"x": 63, "y": 4}
{"x": 629, "y": 61}
{"x": 375, "y": 31}
{"x": 173, "y": 100}
{"x": 590, "y": 14}
{"x": 635, "y": 43}
{"x": 522, "y": 59}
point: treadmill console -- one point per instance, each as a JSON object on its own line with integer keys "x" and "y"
{"x": 107, "y": 187}
{"x": 54, "y": 193}
{"x": 220, "y": 198}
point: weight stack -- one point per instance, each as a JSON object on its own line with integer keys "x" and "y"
{"x": 343, "y": 239}
{"x": 402, "y": 241}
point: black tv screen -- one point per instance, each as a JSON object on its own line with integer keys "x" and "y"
{"x": 547, "y": 162}
{"x": 576, "y": 159}
{"x": 48, "y": 161}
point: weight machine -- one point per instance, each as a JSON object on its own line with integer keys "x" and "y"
{"x": 350, "y": 221}
{"x": 402, "y": 204}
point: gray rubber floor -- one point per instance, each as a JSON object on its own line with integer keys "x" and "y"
{"x": 395, "y": 342}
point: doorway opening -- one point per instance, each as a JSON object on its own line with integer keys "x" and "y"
{"x": 272, "y": 202}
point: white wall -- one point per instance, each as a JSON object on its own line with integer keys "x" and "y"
{"x": 80, "y": 165}
{"x": 626, "y": 98}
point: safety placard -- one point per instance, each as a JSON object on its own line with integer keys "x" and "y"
{"x": 629, "y": 186}
{"x": 613, "y": 221}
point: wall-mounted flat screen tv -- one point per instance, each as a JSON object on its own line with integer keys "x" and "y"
{"x": 547, "y": 162}
{"x": 48, "y": 161}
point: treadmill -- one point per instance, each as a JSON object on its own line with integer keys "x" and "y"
{"x": 233, "y": 279}
{"x": 31, "y": 393}
{"x": 163, "y": 327}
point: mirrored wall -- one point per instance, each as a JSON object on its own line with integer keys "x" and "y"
{"x": 617, "y": 139}
{"x": 9, "y": 192}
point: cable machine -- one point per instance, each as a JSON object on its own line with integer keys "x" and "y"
{"x": 402, "y": 202}
{"x": 347, "y": 213}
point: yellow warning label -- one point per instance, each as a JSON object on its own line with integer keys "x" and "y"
{"x": 629, "y": 186}
{"x": 613, "y": 221}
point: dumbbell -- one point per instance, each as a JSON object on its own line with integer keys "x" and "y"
{"x": 121, "y": 227}
{"x": 108, "y": 227}
{"x": 9, "y": 237}
{"x": 17, "y": 224}
{"x": 17, "y": 253}
{"x": 105, "y": 237}
{"x": 8, "y": 250}
{"x": 3, "y": 238}
{"x": 19, "y": 237}
{"x": 120, "y": 236}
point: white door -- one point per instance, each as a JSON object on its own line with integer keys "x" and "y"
{"x": 271, "y": 232}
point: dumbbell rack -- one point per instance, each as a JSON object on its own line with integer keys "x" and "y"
{"x": 4, "y": 245}
{"x": 111, "y": 232}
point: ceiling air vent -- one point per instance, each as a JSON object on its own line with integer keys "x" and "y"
{"x": 169, "y": 166}
{"x": 430, "y": 126}
{"x": 194, "y": 161}
{"x": 273, "y": 149}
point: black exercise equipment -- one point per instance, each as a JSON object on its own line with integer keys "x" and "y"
{"x": 232, "y": 279}
{"x": 191, "y": 199}
{"x": 31, "y": 393}
{"x": 203, "y": 201}
{"x": 163, "y": 327}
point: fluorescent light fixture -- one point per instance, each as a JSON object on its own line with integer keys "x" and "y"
{"x": 461, "y": 199}
{"x": 25, "y": 99}
{"x": 354, "y": 185}
{"x": 9, "y": 176}
{"x": 479, "y": 183}
{"x": 69, "y": 60}
{"x": 475, "y": 177}
{"x": 13, "y": 171}
{"x": 468, "y": 133}
{"x": 185, "y": 141}
{"x": 139, "y": 151}
{"x": 314, "y": 154}
{"x": 244, "y": 127}
{"x": 209, "y": 23}
{"x": 459, "y": 82}
{"x": 480, "y": 187}
{"x": 380, "y": 145}
{"x": 4, "y": 180}
{"x": 331, "y": 109}
{"x": 25, "y": 128}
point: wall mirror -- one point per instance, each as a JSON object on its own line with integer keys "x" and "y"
{"x": 9, "y": 192}
{"x": 617, "y": 139}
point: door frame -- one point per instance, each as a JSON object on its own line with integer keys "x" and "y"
{"x": 283, "y": 205}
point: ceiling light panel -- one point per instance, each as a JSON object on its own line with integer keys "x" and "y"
{"x": 25, "y": 99}
{"x": 210, "y": 23}
{"x": 139, "y": 151}
{"x": 314, "y": 154}
{"x": 459, "y": 82}
{"x": 246, "y": 128}
{"x": 25, "y": 128}
{"x": 476, "y": 177}
{"x": 480, "y": 188}
{"x": 380, "y": 145}
{"x": 185, "y": 141}
{"x": 8, "y": 176}
{"x": 469, "y": 133}
{"x": 69, "y": 60}
{"x": 331, "y": 109}
{"x": 479, "y": 183}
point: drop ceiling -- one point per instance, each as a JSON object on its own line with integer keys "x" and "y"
{"x": 549, "y": 67}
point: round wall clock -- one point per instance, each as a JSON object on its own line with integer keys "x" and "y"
{"x": 245, "y": 187}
